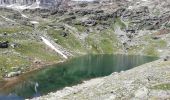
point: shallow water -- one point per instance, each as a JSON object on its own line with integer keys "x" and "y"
{"x": 72, "y": 72}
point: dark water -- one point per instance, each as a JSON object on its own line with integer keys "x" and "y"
{"x": 73, "y": 72}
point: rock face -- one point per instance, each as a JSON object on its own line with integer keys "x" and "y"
{"x": 31, "y": 3}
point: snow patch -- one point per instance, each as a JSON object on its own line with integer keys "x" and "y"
{"x": 7, "y": 19}
{"x": 160, "y": 50}
{"x": 47, "y": 42}
{"x": 23, "y": 15}
{"x": 21, "y": 7}
{"x": 34, "y": 22}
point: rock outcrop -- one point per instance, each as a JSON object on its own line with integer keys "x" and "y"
{"x": 30, "y": 3}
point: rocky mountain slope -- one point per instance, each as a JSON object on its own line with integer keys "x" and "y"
{"x": 132, "y": 27}
{"x": 139, "y": 27}
{"x": 23, "y": 4}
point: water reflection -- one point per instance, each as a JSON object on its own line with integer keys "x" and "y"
{"x": 75, "y": 71}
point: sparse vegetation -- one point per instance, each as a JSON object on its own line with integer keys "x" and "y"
{"x": 164, "y": 86}
{"x": 15, "y": 29}
{"x": 120, "y": 23}
{"x": 151, "y": 51}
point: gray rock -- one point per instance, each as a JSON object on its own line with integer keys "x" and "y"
{"x": 142, "y": 93}
{"x": 89, "y": 23}
{"x": 167, "y": 58}
{"x": 4, "y": 44}
{"x": 12, "y": 74}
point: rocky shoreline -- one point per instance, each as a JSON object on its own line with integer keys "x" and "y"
{"x": 146, "y": 82}
{"x": 10, "y": 81}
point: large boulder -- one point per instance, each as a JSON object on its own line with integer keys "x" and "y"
{"x": 12, "y": 74}
{"x": 4, "y": 44}
{"x": 89, "y": 23}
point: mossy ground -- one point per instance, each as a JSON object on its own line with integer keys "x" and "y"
{"x": 103, "y": 42}
{"x": 27, "y": 51}
{"x": 14, "y": 29}
{"x": 164, "y": 86}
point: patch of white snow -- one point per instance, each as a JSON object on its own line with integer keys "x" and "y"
{"x": 7, "y": 19}
{"x": 47, "y": 42}
{"x": 34, "y": 22}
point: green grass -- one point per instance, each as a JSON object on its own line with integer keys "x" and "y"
{"x": 150, "y": 51}
{"x": 16, "y": 29}
{"x": 160, "y": 43}
{"x": 135, "y": 49}
{"x": 156, "y": 12}
{"x": 8, "y": 61}
{"x": 37, "y": 50}
{"x": 150, "y": 46}
{"x": 92, "y": 45}
{"x": 80, "y": 28}
{"x": 103, "y": 42}
{"x": 9, "y": 30}
{"x": 109, "y": 41}
{"x": 23, "y": 56}
{"x": 120, "y": 23}
{"x": 106, "y": 45}
{"x": 165, "y": 86}
{"x": 70, "y": 42}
